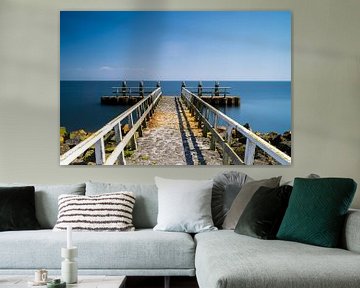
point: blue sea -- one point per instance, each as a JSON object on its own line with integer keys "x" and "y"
{"x": 265, "y": 105}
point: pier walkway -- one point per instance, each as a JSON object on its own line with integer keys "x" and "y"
{"x": 172, "y": 137}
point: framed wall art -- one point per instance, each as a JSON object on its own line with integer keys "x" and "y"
{"x": 175, "y": 88}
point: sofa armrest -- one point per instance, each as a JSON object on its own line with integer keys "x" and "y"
{"x": 351, "y": 234}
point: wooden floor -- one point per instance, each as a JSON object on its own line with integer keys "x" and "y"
{"x": 158, "y": 282}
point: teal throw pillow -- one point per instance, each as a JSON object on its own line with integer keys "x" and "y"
{"x": 316, "y": 211}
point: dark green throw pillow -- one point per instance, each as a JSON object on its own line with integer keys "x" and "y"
{"x": 17, "y": 208}
{"x": 316, "y": 211}
{"x": 263, "y": 214}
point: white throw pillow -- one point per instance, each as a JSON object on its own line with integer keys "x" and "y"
{"x": 184, "y": 205}
{"x": 105, "y": 212}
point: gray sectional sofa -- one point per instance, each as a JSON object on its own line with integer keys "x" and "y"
{"x": 219, "y": 259}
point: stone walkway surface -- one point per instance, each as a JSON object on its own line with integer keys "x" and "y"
{"x": 173, "y": 138}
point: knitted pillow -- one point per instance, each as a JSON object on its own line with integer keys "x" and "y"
{"x": 105, "y": 212}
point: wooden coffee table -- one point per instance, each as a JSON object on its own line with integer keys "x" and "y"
{"x": 84, "y": 281}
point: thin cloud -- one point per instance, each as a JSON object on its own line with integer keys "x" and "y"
{"x": 106, "y": 68}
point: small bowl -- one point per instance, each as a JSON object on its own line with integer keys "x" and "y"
{"x": 56, "y": 283}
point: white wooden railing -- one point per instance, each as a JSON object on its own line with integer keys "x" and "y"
{"x": 210, "y": 116}
{"x": 140, "y": 112}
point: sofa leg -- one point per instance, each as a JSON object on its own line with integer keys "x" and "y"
{"x": 167, "y": 282}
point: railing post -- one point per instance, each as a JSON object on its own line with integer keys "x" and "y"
{"x": 249, "y": 152}
{"x": 118, "y": 138}
{"x": 198, "y": 106}
{"x": 100, "y": 151}
{"x": 141, "y": 89}
{"x": 138, "y": 113}
{"x": 200, "y": 89}
{"x": 228, "y": 139}
{"x": 212, "y": 143}
{"x": 206, "y": 116}
{"x": 133, "y": 143}
{"x": 142, "y": 110}
{"x": 146, "y": 105}
{"x": 124, "y": 88}
{"x": 217, "y": 90}
{"x": 229, "y": 134}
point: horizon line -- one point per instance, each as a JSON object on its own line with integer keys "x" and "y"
{"x": 190, "y": 80}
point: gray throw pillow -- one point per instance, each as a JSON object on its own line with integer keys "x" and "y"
{"x": 310, "y": 176}
{"x": 226, "y": 187}
{"x": 46, "y": 200}
{"x": 184, "y": 205}
{"x": 242, "y": 199}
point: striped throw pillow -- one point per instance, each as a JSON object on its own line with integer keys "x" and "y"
{"x": 105, "y": 212}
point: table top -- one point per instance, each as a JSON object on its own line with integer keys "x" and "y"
{"x": 84, "y": 281}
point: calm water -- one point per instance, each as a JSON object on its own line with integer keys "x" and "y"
{"x": 266, "y": 106}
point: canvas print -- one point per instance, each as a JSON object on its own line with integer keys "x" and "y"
{"x": 175, "y": 88}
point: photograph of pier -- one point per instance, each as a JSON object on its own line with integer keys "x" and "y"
{"x": 175, "y": 88}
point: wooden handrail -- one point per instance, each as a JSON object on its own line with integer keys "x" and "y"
{"x": 143, "y": 108}
{"x": 252, "y": 139}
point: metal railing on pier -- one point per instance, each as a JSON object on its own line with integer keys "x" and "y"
{"x": 136, "y": 118}
{"x": 209, "y": 116}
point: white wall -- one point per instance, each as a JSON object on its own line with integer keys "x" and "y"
{"x": 326, "y": 90}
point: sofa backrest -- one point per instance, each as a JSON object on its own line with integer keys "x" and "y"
{"x": 146, "y": 203}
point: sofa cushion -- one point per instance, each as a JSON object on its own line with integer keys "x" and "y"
{"x": 105, "y": 212}
{"x": 350, "y": 239}
{"x": 184, "y": 205}
{"x": 225, "y": 259}
{"x": 243, "y": 198}
{"x": 263, "y": 215}
{"x": 142, "y": 249}
{"x": 225, "y": 189}
{"x": 17, "y": 209}
{"x": 146, "y": 205}
{"x": 317, "y": 209}
{"x": 46, "y": 200}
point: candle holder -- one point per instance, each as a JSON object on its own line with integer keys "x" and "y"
{"x": 69, "y": 271}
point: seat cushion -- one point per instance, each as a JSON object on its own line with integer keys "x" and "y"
{"x": 226, "y": 259}
{"x": 144, "y": 249}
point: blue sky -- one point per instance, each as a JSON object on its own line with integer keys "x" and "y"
{"x": 175, "y": 45}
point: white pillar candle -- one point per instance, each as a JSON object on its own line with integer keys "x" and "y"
{"x": 69, "y": 237}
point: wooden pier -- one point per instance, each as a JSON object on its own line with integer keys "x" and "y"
{"x": 163, "y": 130}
